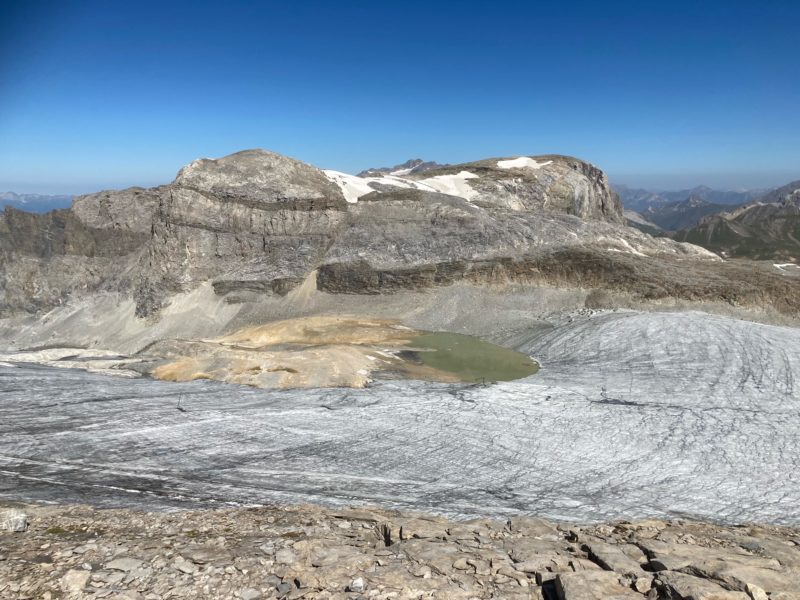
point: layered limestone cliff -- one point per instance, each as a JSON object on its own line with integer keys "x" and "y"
{"x": 256, "y": 225}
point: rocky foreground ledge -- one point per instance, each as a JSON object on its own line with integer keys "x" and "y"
{"x": 311, "y": 552}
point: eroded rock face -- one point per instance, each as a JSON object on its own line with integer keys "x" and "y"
{"x": 124, "y": 212}
{"x": 253, "y": 222}
{"x": 257, "y": 224}
{"x": 94, "y": 247}
{"x": 551, "y": 182}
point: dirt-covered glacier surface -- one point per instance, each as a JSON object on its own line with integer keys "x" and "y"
{"x": 632, "y": 415}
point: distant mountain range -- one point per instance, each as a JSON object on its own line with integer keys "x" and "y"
{"x": 640, "y": 199}
{"x": 682, "y": 214}
{"x": 767, "y": 229}
{"x": 410, "y": 167}
{"x": 37, "y": 203}
{"x": 680, "y": 209}
{"x": 756, "y": 224}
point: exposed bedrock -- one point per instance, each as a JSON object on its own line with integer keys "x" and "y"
{"x": 350, "y": 554}
{"x": 738, "y": 284}
{"x": 255, "y": 221}
{"x": 90, "y": 248}
{"x": 255, "y": 225}
{"x": 550, "y": 182}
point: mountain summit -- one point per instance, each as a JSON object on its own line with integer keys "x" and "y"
{"x": 412, "y": 166}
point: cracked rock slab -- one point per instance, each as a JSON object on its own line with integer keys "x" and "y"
{"x": 593, "y": 585}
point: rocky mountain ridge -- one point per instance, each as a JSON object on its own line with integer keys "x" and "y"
{"x": 680, "y": 209}
{"x": 640, "y": 200}
{"x": 257, "y": 222}
{"x": 682, "y": 214}
{"x": 256, "y": 225}
{"x": 767, "y": 229}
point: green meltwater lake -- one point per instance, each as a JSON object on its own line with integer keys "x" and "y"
{"x": 471, "y": 359}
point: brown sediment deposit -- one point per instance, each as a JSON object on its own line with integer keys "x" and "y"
{"x": 318, "y": 351}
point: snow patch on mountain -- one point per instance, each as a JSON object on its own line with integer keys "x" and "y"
{"x": 352, "y": 187}
{"x": 454, "y": 185}
{"x": 523, "y": 162}
{"x": 400, "y": 182}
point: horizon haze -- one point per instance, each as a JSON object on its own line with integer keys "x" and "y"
{"x": 110, "y": 94}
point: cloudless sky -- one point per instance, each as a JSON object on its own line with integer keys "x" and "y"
{"x": 106, "y": 93}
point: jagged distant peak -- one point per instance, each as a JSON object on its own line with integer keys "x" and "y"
{"x": 411, "y": 166}
{"x": 762, "y": 229}
{"x": 786, "y": 194}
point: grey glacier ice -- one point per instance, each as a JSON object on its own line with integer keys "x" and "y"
{"x": 632, "y": 415}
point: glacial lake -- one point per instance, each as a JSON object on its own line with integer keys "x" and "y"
{"x": 471, "y": 359}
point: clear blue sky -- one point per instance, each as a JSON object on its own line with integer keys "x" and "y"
{"x": 97, "y": 94}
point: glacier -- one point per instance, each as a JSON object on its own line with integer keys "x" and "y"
{"x": 632, "y": 415}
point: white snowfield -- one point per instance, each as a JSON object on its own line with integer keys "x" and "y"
{"x": 633, "y": 415}
{"x": 455, "y": 185}
{"x": 523, "y": 162}
{"x": 354, "y": 187}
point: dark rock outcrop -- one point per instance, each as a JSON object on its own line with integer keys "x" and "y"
{"x": 95, "y": 246}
